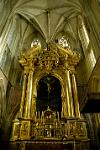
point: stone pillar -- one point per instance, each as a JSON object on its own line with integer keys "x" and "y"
{"x": 29, "y": 95}
{"x": 75, "y": 97}
{"x": 21, "y": 111}
{"x": 93, "y": 23}
{"x": 4, "y": 36}
{"x": 69, "y": 95}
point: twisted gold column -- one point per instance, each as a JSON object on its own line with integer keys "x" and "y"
{"x": 69, "y": 94}
{"x": 21, "y": 111}
{"x": 29, "y": 95}
{"x": 75, "y": 96}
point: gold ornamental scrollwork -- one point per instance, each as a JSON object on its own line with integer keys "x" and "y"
{"x": 48, "y": 60}
{"x": 49, "y": 124}
{"x": 53, "y": 57}
{"x": 27, "y": 58}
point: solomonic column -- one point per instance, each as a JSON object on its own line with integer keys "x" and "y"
{"x": 75, "y": 96}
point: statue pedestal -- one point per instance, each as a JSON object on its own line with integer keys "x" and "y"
{"x": 21, "y": 129}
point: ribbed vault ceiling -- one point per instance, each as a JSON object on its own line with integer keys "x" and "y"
{"x": 50, "y": 18}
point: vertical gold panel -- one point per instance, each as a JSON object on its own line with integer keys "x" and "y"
{"x": 33, "y": 108}
{"x": 70, "y": 94}
{"x": 25, "y": 130}
{"x": 29, "y": 95}
{"x": 64, "y": 107}
{"x": 75, "y": 96}
{"x": 68, "y": 103}
{"x": 67, "y": 100}
{"x": 34, "y": 95}
{"x": 23, "y": 95}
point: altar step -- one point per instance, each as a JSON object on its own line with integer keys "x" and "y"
{"x": 49, "y": 145}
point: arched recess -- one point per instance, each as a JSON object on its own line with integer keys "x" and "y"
{"x": 37, "y": 77}
{"x": 48, "y": 94}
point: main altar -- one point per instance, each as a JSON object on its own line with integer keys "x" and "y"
{"x": 49, "y": 112}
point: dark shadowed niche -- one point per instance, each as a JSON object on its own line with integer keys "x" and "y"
{"x": 49, "y": 94}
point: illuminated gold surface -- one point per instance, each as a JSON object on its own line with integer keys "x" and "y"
{"x": 75, "y": 96}
{"x": 70, "y": 94}
{"x": 58, "y": 62}
{"x": 29, "y": 95}
{"x": 68, "y": 102}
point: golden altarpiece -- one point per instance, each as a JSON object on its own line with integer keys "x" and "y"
{"x": 49, "y": 124}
